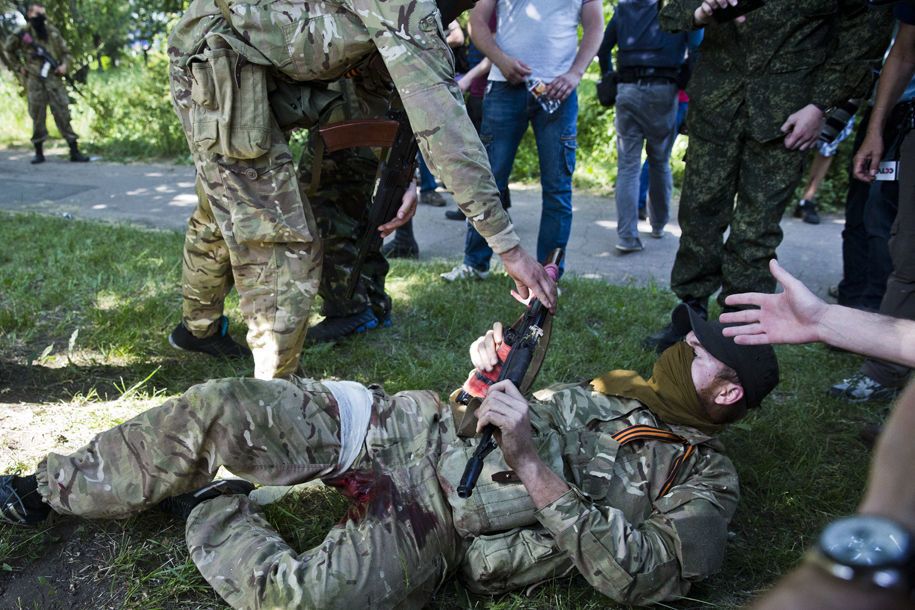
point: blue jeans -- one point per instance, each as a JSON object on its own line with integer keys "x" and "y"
{"x": 643, "y": 178}
{"x": 507, "y": 111}
{"x": 427, "y": 181}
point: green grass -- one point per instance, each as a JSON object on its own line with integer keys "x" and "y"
{"x": 104, "y": 297}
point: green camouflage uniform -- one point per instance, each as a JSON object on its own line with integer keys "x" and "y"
{"x": 748, "y": 80}
{"x": 406, "y": 529}
{"x": 340, "y": 203}
{"x": 243, "y": 159}
{"x": 43, "y": 92}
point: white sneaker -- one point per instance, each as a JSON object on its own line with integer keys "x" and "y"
{"x": 464, "y": 272}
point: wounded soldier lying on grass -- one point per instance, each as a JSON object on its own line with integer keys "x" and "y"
{"x": 620, "y": 480}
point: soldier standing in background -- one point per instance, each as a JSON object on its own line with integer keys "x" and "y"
{"x": 35, "y": 49}
{"x": 758, "y": 96}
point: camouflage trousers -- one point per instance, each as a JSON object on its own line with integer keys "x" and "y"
{"x": 44, "y": 92}
{"x": 394, "y": 547}
{"x": 340, "y": 203}
{"x": 763, "y": 176}
{"x": 255, "y": 224}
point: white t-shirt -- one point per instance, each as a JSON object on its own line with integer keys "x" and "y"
{"x": 541, "y": 33}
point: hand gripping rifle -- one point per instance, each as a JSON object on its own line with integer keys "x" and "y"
{"x": 394, "y": 178}
{"x": 524, "y": 338}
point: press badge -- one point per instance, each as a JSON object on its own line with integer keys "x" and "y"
{"x": 886, "y": 171}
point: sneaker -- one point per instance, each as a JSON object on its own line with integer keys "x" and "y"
{"x": 433, "y": 198}
{"x": 13, "y": 509}
{"x": 807, "y": 211}
{"x": 657, "y": 233}
{"x": 217, "y": 344}
{"x": 464, "y": 272}
{"x": 182, "y": 504}
{"x": 861, "y": 388}
{"x": 630, "y": 244}
{"x": 455, "y": 215}
{"x": 333, "y": 328}
{"x": 399, "y": 249}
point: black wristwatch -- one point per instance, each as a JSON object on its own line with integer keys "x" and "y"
{"x": 869, "y": 550}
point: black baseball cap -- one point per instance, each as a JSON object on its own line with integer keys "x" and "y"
{"x": 756, "y": 365}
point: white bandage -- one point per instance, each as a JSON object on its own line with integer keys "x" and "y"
{"x": 355, "y": 405}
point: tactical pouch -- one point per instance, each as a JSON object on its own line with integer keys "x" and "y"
{"x": 231, "y": 114}
{"x": 301, "y": 105}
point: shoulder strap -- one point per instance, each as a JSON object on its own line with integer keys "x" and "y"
{"x": 650, "y": 433}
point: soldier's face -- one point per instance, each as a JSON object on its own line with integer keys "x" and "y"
{"x": 705, "y": 366}
{"x": 35, "y": 10}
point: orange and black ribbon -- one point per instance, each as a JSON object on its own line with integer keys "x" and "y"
{"x": 641, "y": 432}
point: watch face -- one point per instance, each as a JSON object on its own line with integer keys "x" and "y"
{"x": 866, "y": 541}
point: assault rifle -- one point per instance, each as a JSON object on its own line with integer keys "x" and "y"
{"x": 49, "y": 62}
{"x": 394, "y": 178}
{"x": 524, "y": 338}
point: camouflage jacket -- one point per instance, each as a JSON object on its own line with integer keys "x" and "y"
{"x": 22, "y": 53}
{"x": 321, "y": 40}
{"x": 788, "y": 54}
{"x": 614, "y": 527}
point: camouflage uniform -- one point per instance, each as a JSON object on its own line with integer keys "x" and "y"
{"x": 43, "y": 92}
{"x": 749, "y": 78}
{"x": 243, "y": 159}
{"x": 406, "y": 529}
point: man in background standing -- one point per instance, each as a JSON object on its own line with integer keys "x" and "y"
{"x": 36, "y": 48}
{"x": 535, "y": 40}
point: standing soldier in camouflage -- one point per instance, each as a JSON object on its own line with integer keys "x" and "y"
{"x": 227, "y": 59}
{"x": 758, "y": 96}
{"x": 621, "y": 481}
{"x": 42, "y": 57}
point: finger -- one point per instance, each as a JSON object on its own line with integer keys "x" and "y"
{"x": 746, "y": 298}
{"x": 743, "y": 316}
{"x": 783, "y": 277}
{"x": 746, "y": 329}
{"x": 488, "y": 350}
{"x": 497, "y": 332}
{"x": 760, "y": 339}
{"x": 491, "y": 416}
{"x": 509, "y": 388}
{"x": 788, "y": 125}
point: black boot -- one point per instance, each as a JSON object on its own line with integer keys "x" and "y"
{"x": 807, "y": 211}
{"x": 39, "y": 154}
{"x": 333, "y": 328}
{"x": 667, "y": 336}
{"x": 182, "y": 505}
{"x": 75, "y": 155}
{"x": 403, "y": 245}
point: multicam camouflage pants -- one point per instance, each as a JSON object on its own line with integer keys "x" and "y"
{"x": 393, "y": 548}
{"x": 763, "y": 176}
{"x": 255, "y": 213}
{"x": 44, "y": 92}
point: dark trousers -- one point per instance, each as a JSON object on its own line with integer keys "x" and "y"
{"x": 870, "y": 210}
{"x": 899, "y": 299}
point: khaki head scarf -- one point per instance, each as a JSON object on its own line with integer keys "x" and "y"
{"x": 670, "y": 393}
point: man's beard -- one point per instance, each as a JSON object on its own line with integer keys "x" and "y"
{"x": 38, "y": 22}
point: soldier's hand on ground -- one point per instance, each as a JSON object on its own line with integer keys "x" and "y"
{"x": 506, "y": 409}
{"x": 791, "y": 316}
{"x": 530, "y": 277}
{"x": 867, "y": 159}
{"x": 484, "y": 351}
{"x": 514, "y": 70}
{"x": 404, "y": 213}
{"x": 703, "y": 14}
{"x": 562, "y": 86}
{"x": 803, "y": 128}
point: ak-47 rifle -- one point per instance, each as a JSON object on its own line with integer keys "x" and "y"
{"x": 524, "y": 338}
{"x": 394, "y": 178}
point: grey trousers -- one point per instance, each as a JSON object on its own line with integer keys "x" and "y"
{"x": 646, "y": 114}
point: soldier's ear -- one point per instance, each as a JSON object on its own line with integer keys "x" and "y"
{"x": 729, "y": 393}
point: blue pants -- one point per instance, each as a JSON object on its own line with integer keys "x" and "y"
{"x": 507, "y": 111}
{"x": 427, "y": 181}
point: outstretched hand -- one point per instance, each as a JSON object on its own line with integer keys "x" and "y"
{"x": 791, "y": 316}
{"x": 530, "y": 277}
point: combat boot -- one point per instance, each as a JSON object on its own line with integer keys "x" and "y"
{"x": 667, "y": 336}
{"x": 806, "y": 210}
{"x": 218, "y": 344}
{"x": 403, "y": 245}
{"x": 39, "y": 154}
{"x": 75, "y": 155}
{"x": 181, "y": 505}
{"x": 333, "y": 328}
